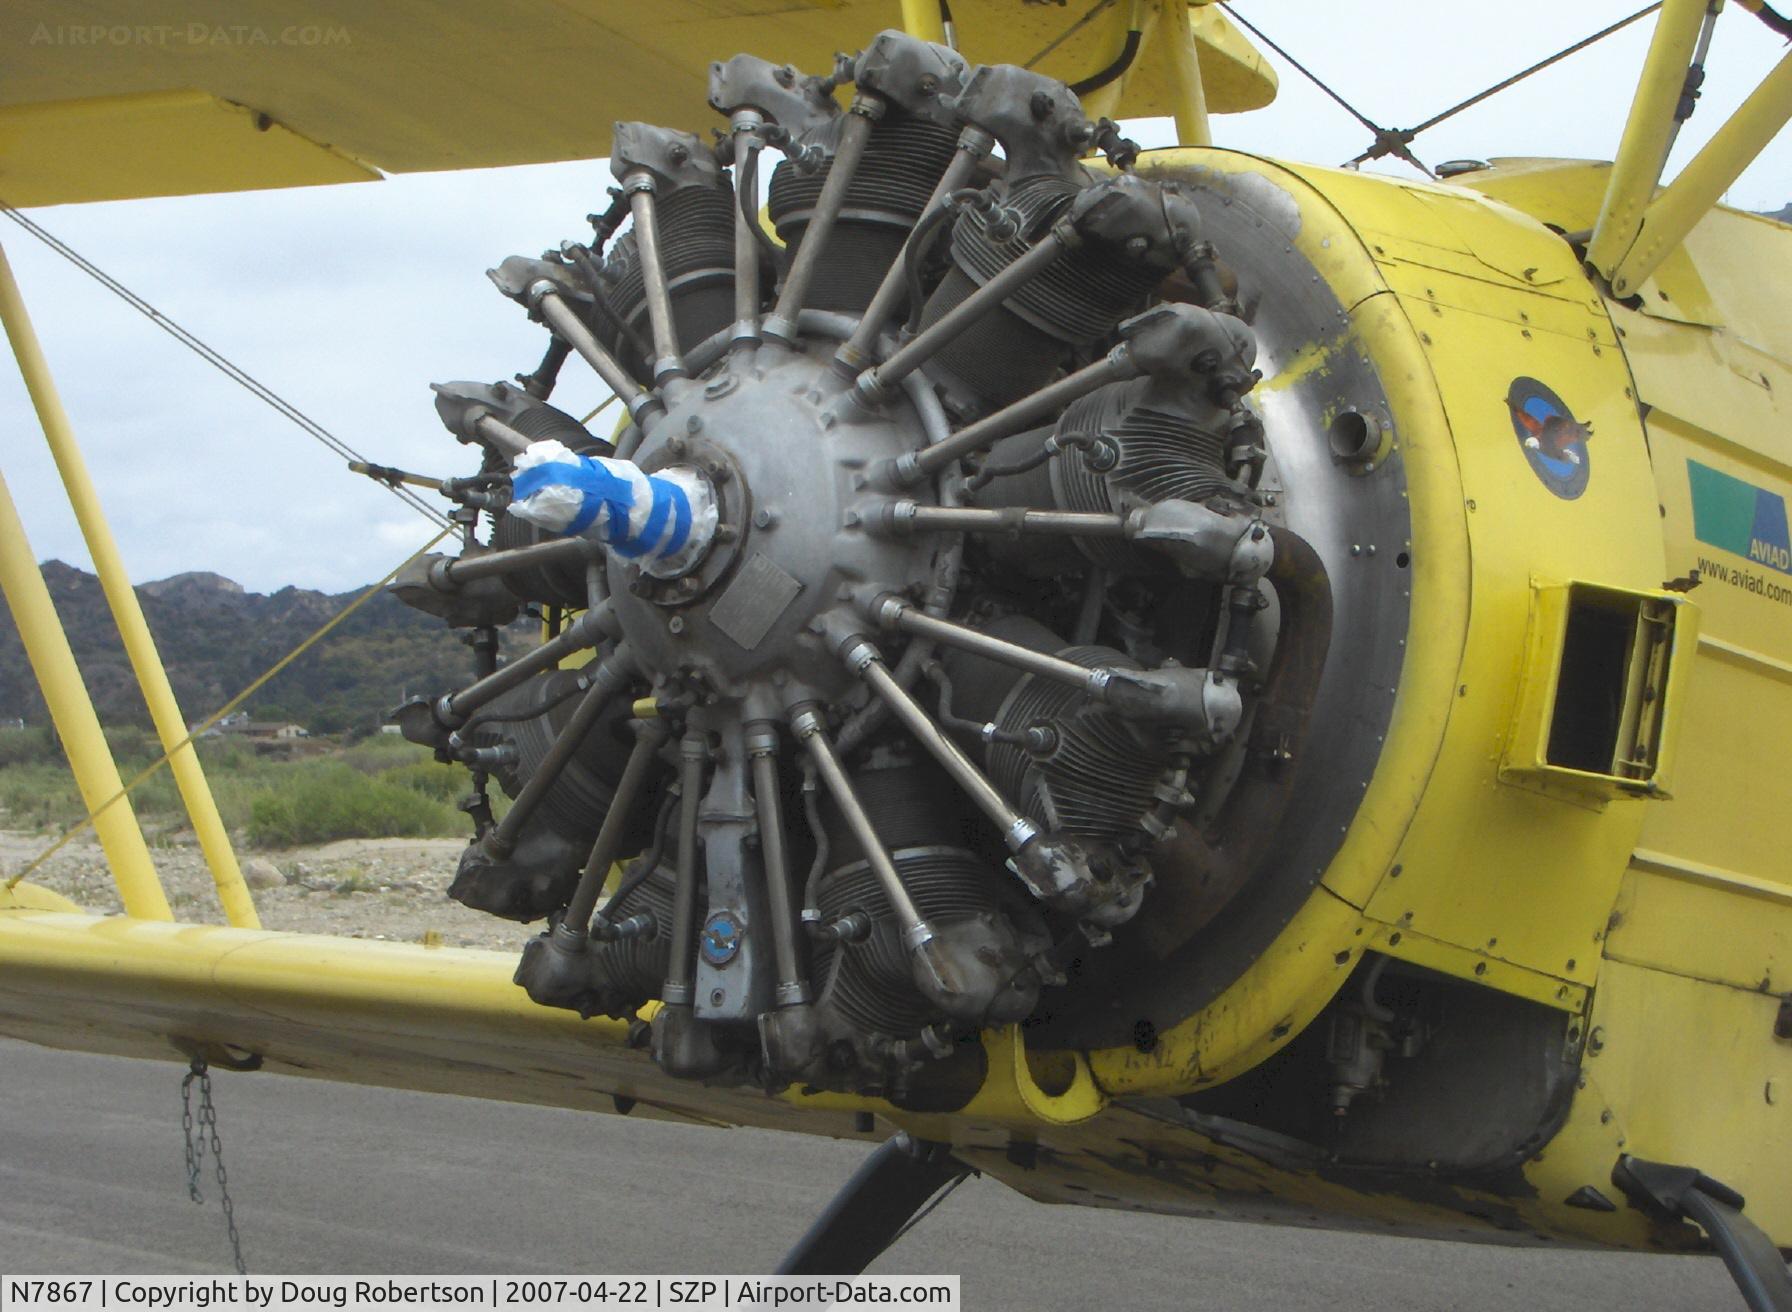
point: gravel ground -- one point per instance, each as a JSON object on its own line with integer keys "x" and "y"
{"x": 384, "y": 888}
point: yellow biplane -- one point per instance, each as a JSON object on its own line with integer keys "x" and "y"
{"x": 1175, "y": 679}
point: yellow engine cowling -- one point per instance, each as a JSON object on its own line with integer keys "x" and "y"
{"x": 1576, "y": 796}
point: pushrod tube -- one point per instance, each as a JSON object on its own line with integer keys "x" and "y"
{"x": 454, "y": 708}
{"x": 762, "y": 747}
{"x": 895, "y": 614}
{"x": 667, "y": 360}
{"x": 905, "y": 517}
{"x": 681, "y": 967}
{"x": 501, "y": 435}
{"x": 917, "y": 466}
{"x": 806, "y": 723}
{"x": 856, "y": 352}
{"x": 561, "y": 318}
{"x": 538, "y": 555}
{"x": 880, "y": 381}
{"x": 747, "y": 145}
{"x": 863, "y": 659}
{"x": 782, "y": 325}
{"x": 609, "y": 678}
{"x": 650, "y": 738}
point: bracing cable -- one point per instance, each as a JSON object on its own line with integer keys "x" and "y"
{"x": 254, "y": 386}
{"x": 1537, "y": 67}
{"x": 1396, "y": 141}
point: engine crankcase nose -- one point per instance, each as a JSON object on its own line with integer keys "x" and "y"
{"x": 789, "y": 475}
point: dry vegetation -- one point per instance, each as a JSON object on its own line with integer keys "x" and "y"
{"x": 359, "y": 839}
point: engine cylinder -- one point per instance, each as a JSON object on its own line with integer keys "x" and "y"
{"x": 1123, "y": 445}
{"x": 867, "y": 988}
{"x": 1074, "y": 301}
{"x": 1096, "y": 775}
{"x": 633, "y": 969}
{"x": 539, "y": 875}
{"x": 696, "y": 232}
{"x": 897, "y": 173}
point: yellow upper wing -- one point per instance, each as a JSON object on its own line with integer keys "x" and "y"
{"x": 115, "y": 99}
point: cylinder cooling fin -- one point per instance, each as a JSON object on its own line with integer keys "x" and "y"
{"x": 959, "y": 633}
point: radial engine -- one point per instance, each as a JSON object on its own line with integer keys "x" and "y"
{"x": 936, "y": 644}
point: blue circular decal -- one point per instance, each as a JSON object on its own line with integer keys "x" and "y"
{"x": 720, "y": 940}
{"x": 1552, "y": 439}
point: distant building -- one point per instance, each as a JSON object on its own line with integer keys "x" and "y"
{"x": 264, "y": 730}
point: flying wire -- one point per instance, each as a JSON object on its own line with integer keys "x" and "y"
{"x": 1301, "y": 68}
{"x": 1538, "y": 67}
{"x": 217, "y": 360}
{"x": 229, "y": 706}
{"x": 1396, "y": 141}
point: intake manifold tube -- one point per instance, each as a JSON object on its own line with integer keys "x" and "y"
{"x": 1243, "y": 835}
{"x": 1175, "y": 341}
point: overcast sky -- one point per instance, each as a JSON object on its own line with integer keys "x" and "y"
{"x": 350, "y": 300}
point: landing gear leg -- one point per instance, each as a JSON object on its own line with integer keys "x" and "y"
{"x": 1674, "y": 1193}
{"x": 869, "y": 1212}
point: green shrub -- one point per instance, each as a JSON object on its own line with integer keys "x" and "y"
{"x": 444, "y": 782}
{"x": 30, "y": 745}
{"x": 39, "y": 796}
{"x": 382, "y": 752}
{"x": 133, "y": 747}
{"x": 377, "y": 789}
{"x": 320, "y": 801}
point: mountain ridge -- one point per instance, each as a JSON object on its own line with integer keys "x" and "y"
{"x": 216, "y": 637}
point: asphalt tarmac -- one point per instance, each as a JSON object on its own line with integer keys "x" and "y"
{"x": 333, "y": 1179}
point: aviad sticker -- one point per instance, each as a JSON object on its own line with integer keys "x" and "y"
{"x": 1738, "y": 517}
